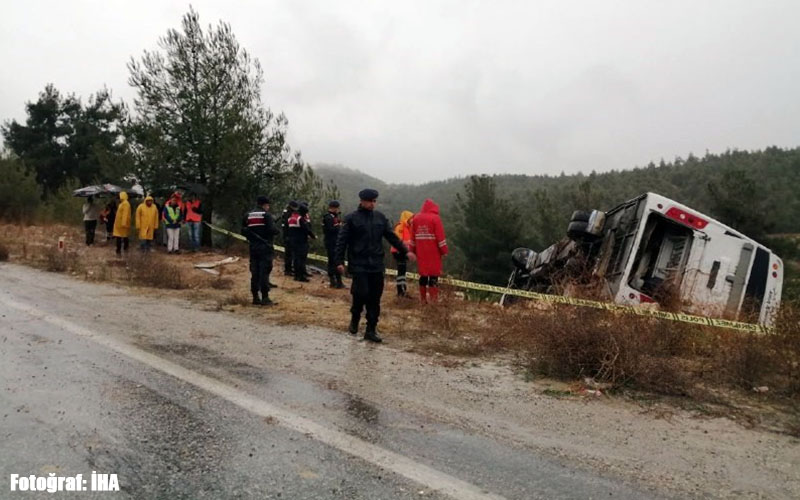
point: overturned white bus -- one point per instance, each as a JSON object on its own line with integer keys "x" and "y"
{"x": 651, "y": 248}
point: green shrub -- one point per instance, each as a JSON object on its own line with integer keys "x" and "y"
{"x": 19, "y": 193}
{"x": 62, "y": 206}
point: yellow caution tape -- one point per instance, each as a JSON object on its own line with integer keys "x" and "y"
{"x": 561, "y": 299}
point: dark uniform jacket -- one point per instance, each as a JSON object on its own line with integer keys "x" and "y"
{"x": 285, "y": 224}
{"x": 361, "y": 237}
{"x": 331, "y": 223}
{"x": 299, "y": 228}
{"x": 260, "y": 230}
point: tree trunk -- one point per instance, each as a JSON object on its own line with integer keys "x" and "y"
{"x": 208, "y": 211}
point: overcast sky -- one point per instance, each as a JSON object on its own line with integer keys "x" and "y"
{"x": 415, "y": 91}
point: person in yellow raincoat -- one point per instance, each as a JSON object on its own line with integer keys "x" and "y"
{"x": 146, "y": 222}
{"x": 403, "y": 231}
{"x": 122, "y": 223}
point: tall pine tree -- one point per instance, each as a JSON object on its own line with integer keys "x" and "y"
{"x": 488, "y": 229}
{"x": 199, "y": 118}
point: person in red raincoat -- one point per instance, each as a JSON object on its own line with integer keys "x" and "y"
{"x": 429, "y": 243}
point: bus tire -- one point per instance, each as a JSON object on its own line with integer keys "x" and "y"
{"x": 580, "y": 216}
{"x": 578, "y": 231}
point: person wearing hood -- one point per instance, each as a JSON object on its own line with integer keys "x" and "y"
{"x": 429, "y": 243}
{"x": 331, "y": 223}
{"x": 173, "y": 217}
{"x": 299, "y": 234}
{"x": 122, "y": 223}
{"x": 147, "y": 222}
{"x": 403, "y": 231}
{"x": 361, "y": 241}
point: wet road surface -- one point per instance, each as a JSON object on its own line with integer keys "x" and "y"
{"x": 173, "y": 419}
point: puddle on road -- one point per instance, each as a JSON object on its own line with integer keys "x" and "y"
{"x": 351, "y": 413}
{"x": 207, "y": 358}
{"x": 356, "y": 407}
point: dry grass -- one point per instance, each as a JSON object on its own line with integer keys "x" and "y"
{"x": 631, "y": 354}
{"x": 622, "y": 351}
{"x": 235, "y": 299}
{"x": 154, "y": 270}
{"x": 62, "y": 261}
{"x": 221, "y": 283}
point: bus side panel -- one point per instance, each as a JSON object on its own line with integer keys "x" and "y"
{"x": 713, "y": 264}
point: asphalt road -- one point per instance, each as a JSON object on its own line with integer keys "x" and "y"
{"x": 91, "y": 380}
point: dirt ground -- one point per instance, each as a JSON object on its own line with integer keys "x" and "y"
{"x": 435, "y": 367}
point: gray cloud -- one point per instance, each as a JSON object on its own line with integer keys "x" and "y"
{"x": 415, "y": 91}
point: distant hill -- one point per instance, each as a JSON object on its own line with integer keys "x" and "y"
{"x": 774, "y": 172}
{"x": 348, "y": 180}
{"x": 393, "y": 197}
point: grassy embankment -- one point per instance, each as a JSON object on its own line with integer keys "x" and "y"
{"x": 752, "y": 377}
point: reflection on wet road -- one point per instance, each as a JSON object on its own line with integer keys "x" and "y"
{"x": 177, "y": 420}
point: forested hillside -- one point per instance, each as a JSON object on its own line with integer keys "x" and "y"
{"x": 763, "y": 183}
{"x": 755, "y": 192}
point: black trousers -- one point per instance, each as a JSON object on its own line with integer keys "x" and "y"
{"x": 90, "y": 226}
{"x": 299, "y": 259}
{"x": 121, "y": 242}
{"x": 288, "y": 256}
{"x": 331, "y": 251}
{"x": 429, "y": 281}
{"x": 367, "y": 290}
{"x": 260, "y": 267}
{"x": 402, "y": 267}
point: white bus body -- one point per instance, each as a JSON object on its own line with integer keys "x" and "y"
{"x": 717, "y": 271}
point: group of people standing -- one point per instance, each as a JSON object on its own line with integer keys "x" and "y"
{"x": 148, "y": 219}
{"x": 357, "y": 239}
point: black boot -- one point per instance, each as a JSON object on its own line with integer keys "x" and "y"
{"x": 371, "y": 333}
{"x": 256, "y": 300}
{"x": 339, "y": 283}
{"x": 401, "y": 290}
{"x": 266, "y": 301}
{"x": 353, "y": 328}
{"x": 332, "y": 279}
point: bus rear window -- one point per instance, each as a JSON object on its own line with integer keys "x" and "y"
{"x": 757, "y": 281}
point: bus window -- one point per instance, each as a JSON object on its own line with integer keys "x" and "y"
{"x": 661, "y": 256}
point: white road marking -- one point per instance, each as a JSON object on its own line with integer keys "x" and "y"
{"x": 399, "y": 464}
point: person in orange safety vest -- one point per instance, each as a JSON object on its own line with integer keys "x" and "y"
{"x": 193, "y": 215}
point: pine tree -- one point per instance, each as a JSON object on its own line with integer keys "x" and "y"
{"x": 199, "y": 118}
{"x": 488, "y": 230}
{"x": 63, "y": 140}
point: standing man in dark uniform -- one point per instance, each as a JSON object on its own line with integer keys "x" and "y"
{"x": 259, "y": 229}
{"x": 331, "y": 224}
{"x": 287, "y": 255}
{"x": 299, "y": 233}
{"x": 361, "y": 240}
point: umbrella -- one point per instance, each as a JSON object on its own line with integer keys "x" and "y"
{"x": 87, "y": 191}
{"x": 187, "y": 187}
{"x": 113, "y": 189}
{"x": 110, "y": 190}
